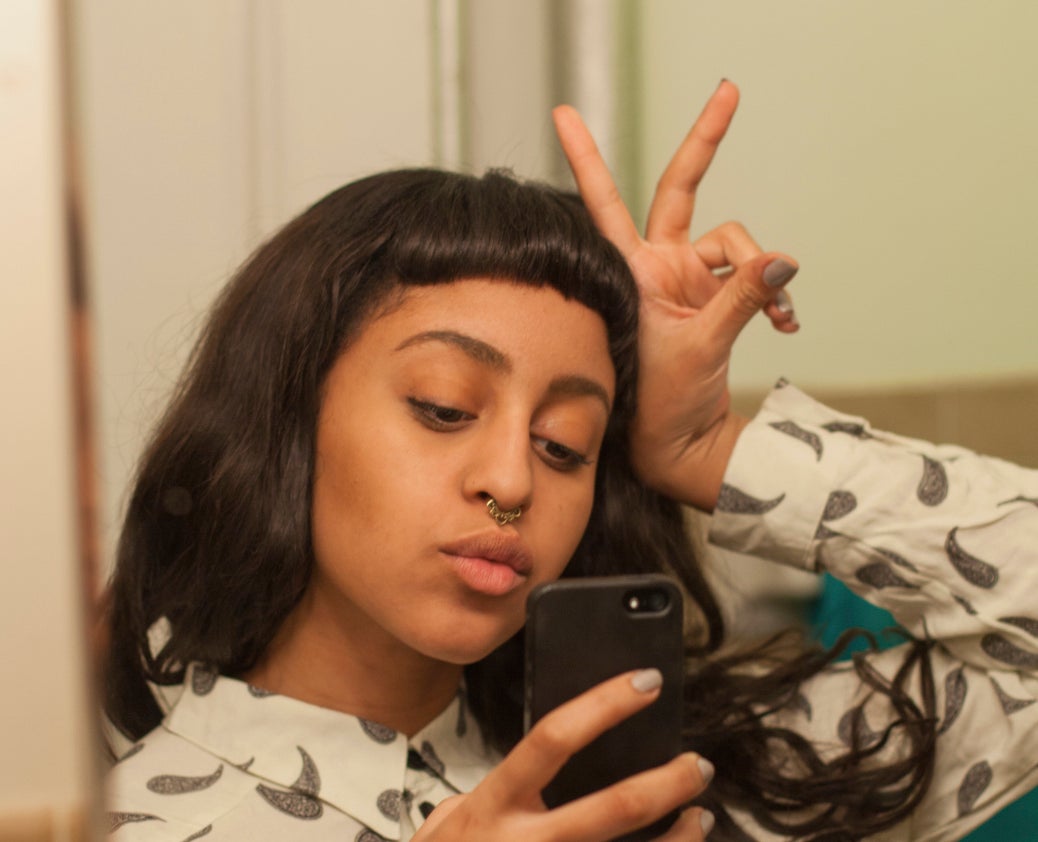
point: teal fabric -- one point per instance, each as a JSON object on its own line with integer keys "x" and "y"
{"x": 839, "y": 608}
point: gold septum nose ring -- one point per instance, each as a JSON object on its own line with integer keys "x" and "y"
{"x": 500, "y": 515}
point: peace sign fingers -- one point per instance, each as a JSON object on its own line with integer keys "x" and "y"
{"x": 594, "y": 181}
{"x": 670, "y": 214}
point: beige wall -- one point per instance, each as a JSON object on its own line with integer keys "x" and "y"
{"x": 891, "y": 147}
{"x": 43, "y": 743}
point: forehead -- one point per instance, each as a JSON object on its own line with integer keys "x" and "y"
{"x": 528, "y": 324}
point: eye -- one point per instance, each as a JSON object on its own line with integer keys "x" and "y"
{"x": 436, "y": 416}
{"x": 560, "y": 457}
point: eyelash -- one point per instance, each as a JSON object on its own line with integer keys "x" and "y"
{"x": 561, "y": 457}
{"x": 432, "y": 414}
{"x": 568, "y": 459}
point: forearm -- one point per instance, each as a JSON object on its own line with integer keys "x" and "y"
{"x": 944, "y": 539}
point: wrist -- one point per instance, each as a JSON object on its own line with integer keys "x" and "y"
{"x": 692, "y": 474}
{"x": 705, "y": 473}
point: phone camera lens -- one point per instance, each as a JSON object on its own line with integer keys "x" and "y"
{"x": 646, "y": 601}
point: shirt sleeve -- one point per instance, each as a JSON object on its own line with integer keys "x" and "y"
{"x": 944, "y": 539}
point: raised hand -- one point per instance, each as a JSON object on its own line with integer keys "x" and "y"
{"x": 507, "y": 805}
{"x": 696, "y": 298}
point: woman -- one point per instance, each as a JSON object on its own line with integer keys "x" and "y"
{"x": 416, "y": 402}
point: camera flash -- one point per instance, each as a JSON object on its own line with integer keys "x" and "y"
{"x": 633, "y": 603}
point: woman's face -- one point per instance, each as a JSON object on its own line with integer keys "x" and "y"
{"x": 465, "y": 390}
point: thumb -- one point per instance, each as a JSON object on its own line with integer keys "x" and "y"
{"x": 744, "y": 294}
{"x": 437, "y": 816}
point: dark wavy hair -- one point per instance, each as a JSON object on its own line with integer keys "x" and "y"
{"x": 217, "y": 536}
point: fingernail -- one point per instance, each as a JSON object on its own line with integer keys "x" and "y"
{"x": 783, "y": 302}
{"x": 647, "y": 680}
{"x": 706, "y": 769}
{"x": 779, "y": 272}
{"x": 706, "y": 821}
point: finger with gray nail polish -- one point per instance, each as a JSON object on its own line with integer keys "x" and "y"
{"x": 647, "y": 680}
{"x": 779, "y": 272}
{"x": 706, "y": 769}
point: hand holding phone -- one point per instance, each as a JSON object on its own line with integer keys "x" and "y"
{"x": 507, "y": 805}
{"x": 580, "y": 632}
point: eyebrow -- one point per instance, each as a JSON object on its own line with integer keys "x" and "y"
{"x": 479, "y": 350}
{"x": 569, "y": 385}
{"x": 573, "y": 385}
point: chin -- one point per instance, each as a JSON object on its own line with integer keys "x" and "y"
{"x": 475, "y": 647}
{"x": 464, "y": 655}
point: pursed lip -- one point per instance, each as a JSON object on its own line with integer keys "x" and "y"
{"x": 496, "y": 547}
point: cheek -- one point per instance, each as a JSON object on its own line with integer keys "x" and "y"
{"x": 347, "y": 499}
{"x": 565, "y": 525}
{"x": 375, "y": 492}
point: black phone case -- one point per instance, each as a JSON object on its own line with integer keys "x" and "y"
{"x": 579, "y": 632}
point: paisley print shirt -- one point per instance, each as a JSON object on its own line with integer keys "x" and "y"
{"x": 231, "y": 761}
{"x": 944, "y": 539}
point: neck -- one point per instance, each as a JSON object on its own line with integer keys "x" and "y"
{"x": 317, "y": 659}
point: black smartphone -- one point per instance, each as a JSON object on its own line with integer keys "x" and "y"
{"x": 579, "y": 632}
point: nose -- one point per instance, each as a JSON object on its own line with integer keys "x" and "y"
{"x": 501, "y": 467}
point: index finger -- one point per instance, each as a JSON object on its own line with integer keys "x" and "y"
{"x": 596, "y": 185}
{"x": 670, "y": 213}
{"x": 560, "y": 734}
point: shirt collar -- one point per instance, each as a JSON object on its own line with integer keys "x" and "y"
{"x": 345, "y": 761}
